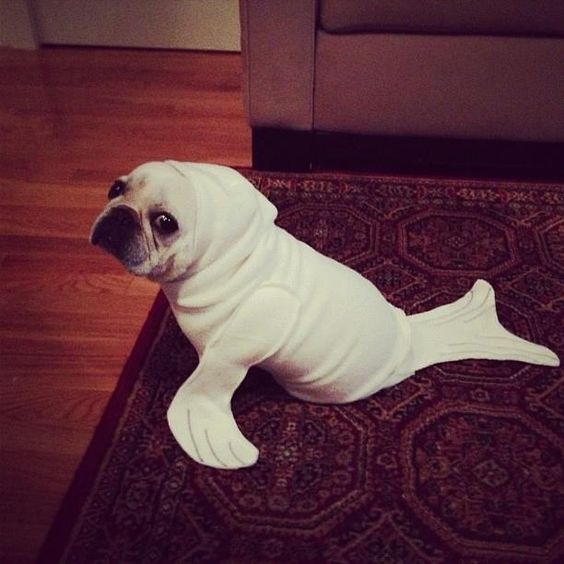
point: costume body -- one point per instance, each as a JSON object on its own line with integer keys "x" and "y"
{"x": 339, "y": 340}
{"x": 347, "y": 341}
{"x": 255, "y": 295}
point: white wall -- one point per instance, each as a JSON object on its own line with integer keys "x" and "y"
{"x": 172, "y": 24}
{"x": 16, "y": 28}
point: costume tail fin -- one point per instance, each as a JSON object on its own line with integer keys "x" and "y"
{"x": 469, "y": 328}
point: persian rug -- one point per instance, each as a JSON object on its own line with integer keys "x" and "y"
{"x": 462, "y": 462}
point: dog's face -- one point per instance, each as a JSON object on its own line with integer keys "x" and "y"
{"x": 149, "y": 223}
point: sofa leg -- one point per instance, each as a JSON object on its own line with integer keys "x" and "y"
{"x": 282, "y": 150}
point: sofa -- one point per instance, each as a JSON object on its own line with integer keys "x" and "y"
{"x": 432, "y": 74}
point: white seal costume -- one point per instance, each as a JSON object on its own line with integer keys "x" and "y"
{"x": 255, "y": 295}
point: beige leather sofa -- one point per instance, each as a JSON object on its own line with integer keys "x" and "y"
{"x": 409, "y": 69}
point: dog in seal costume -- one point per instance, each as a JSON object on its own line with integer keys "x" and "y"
{"x": 245, "y": 292}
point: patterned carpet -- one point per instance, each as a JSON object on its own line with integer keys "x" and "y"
{"x": 463, "y": 462}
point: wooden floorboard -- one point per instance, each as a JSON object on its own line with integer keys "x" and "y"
{"x": 70, "y": 121}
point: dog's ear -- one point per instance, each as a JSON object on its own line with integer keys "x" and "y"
{"x": 232, "y": 214}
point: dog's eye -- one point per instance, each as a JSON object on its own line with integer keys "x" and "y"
{"x": 116, "y": 189}
{"x": 165, "y": 224}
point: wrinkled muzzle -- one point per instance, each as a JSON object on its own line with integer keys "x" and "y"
{"x": 119, "y": 233}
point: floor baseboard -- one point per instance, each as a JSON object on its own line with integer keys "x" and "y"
{"x": 300, "y": 151}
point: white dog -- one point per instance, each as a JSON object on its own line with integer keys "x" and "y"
{"x": 245, "y": 292}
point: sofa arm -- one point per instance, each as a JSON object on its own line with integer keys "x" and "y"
{"x": 278, "y": 45}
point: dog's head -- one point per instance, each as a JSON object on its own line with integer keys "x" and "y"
{"x": 168, "y": 220}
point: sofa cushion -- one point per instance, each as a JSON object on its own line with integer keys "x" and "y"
{"x": 472, "y": 17}
{"x": 463, "y": 87}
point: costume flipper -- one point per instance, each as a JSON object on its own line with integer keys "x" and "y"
{"x": 203, "y": 424}
{"x": 200, "y": 416}
{"x": 469, "y": 328}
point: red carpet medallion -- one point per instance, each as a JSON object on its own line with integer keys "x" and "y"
{"x": 463, "y": 462}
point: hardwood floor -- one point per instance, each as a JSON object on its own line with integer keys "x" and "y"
{"x": 70, "y": 121}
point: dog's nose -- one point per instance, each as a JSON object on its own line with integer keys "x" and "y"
{"x": 115, "y": 229}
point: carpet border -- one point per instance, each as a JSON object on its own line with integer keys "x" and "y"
{"x": 60, "y": 529}
{"x": 468, "y": 180}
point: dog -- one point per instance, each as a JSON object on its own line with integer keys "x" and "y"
{"x": 247, "y": 293}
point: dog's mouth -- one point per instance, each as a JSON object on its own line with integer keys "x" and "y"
{"x": 164, "y": 272}
{"x": 138, "y": 268}
{"x": 156, "y": 273}
{"x": 131, "y": 256}
{"x": 118, "y": 232}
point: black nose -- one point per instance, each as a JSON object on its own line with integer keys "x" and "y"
{"x": 115, "y": 230}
